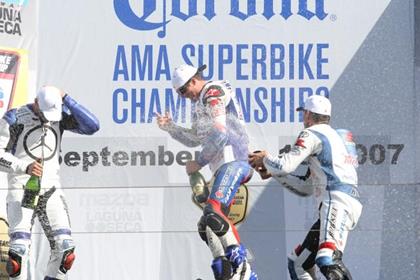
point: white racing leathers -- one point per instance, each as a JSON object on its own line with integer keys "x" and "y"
{"x": 24, "y": 139}
{"x": 218, "y": 126}
{"x": 331, "y": 158}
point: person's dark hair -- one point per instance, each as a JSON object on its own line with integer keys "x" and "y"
{"x": 318, "y": 118}
{"x": 198, "y": 75}
{"x": 182, "y": 89}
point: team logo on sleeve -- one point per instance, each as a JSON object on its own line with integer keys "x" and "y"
{"x": 300, "y": 143}
{"x": 213, "y": 92}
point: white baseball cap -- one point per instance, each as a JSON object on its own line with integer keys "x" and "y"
{"x": 183, "y": 73}
{"x": 50, "y": 102}
{"x": 317, "y": 104}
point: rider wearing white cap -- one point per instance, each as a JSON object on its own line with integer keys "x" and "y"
{"x": 218, "y": 126}
{"x": 29, "y": 133}
{"x": 329, "y": 160}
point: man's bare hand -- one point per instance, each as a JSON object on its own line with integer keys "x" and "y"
{"x": 163, "y": 121}
{"x": 264, "y": 174}
{"x": 255, "y": 159}
{"x": 192, "y": 166}
{"x": 35, "y": 168}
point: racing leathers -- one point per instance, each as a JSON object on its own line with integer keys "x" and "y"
{"x": 218, "y": 126}
{"x": 24, "y": 138}
{"x": 331, "y": 158}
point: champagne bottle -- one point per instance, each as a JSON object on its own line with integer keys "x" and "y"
{"x": 199, "y": 187}
{"x": 31, "y": 192}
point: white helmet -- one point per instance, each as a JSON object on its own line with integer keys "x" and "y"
{"x": 183, "y": 73}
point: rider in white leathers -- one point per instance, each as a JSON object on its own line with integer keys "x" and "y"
{"x": 27, "y": 134}
{"x": 330, "y": 159}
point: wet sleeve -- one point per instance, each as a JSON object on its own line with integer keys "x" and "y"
{"x": 186, "y": 136}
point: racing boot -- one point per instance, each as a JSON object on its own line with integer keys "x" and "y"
{"x": 241, "y": 269}
{"x": 222, "y": 269}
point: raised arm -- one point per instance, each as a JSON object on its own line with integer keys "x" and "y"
{"x": 77, "y": 118}
{"x": 186, "y": 136}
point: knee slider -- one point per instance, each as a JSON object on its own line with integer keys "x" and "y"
{"x": 14, "y": 263}
{"x": 65, "y": 247}
{"x": 67, "y": 261}
{"x": 222, "y": 268}
{"x": 216, "y": 223}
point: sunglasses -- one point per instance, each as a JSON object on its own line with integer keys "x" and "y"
{"x": 183, "y": 90}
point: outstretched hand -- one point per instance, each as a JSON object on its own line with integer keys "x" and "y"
{"x": 255, "y": 159}
{"x": 163, "y": 121}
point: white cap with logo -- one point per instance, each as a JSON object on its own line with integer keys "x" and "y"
{"x": 317, "y": 104}
{"x": 50, "y": 102}
{"x": 183, "y": 73}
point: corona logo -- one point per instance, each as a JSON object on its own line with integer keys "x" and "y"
{"x": 141, "y": 19}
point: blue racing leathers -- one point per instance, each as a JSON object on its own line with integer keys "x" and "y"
{"x": 218, "y": 126}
